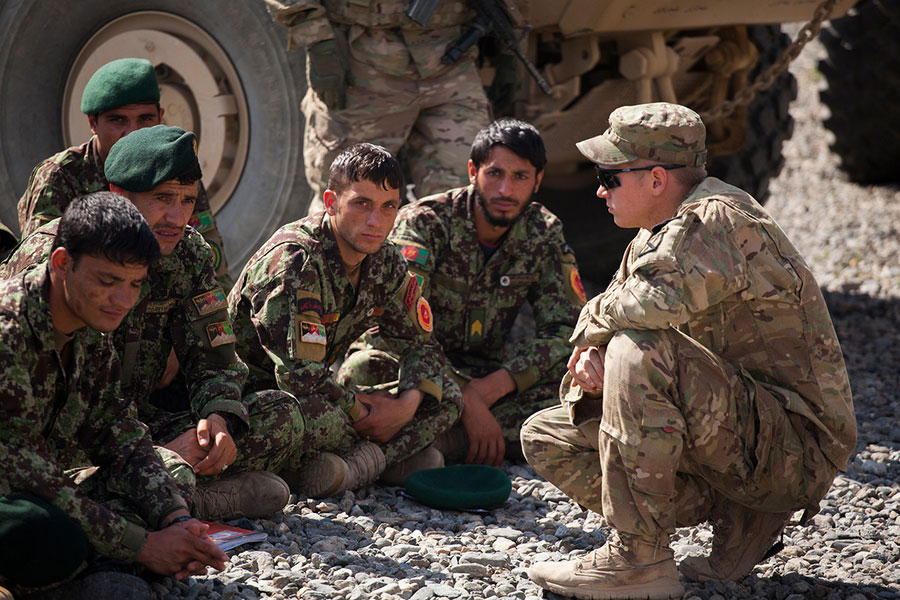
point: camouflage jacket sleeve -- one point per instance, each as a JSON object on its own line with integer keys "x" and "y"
{"x": 306, "y": 21}
{"x": 680, "y": 269}
{"x": 40, "y": 203}
{"x": 555, "y": 297}
{"x": 119, "y": 442}
{"x": 284, "y": 293}
{"x": 406, "y": 327}
{"x": 205, "y": 344}
{"x": 204, "y": 221}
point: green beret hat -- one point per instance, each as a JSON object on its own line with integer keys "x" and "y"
{"x": 120, "y": 82}
{"x": 460, "y": 487}
{"x": 145, "y": 158}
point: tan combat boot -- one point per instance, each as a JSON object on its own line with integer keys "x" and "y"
{"x": 428, "y": 458}
{"x": 328, "y": 474}
{"x": 453, "y": 443}
{"x": 252, "y": 494}
{"x": 742, "y": 537}
{"x": 625, "y": 567}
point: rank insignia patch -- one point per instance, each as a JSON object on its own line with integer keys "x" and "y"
{"x": 415, "y": 254}
{"x": 312, "y": 333}
{"x": 220, "y": 334}
{"x": 210, "y": 302}
{"x": 423, "y": 314}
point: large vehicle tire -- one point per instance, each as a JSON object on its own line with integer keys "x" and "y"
{"x": 769, "y": 123}
{"x": 863, "y": 74}
{"x": 42, "y": 42}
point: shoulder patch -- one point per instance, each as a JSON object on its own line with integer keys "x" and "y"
{"x": 210, "y": 302}
{"x": 412, "y": 292}
{"x": 331, "y": 318}
{"x": 576, "y": 286}
{"x": 665, "y": 244}
{"x": 308, "y": 302}
{"x": 414, "y": 253}
{"x": 423, "y": 314}
{"x": 220, "y": 334}
{"x": 202, "y": 221}
{"x": 312, "y": 333}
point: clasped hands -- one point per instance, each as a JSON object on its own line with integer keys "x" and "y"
{"x": 384, "y": 414}
{"x": 586, "y": 365}
{"x": 208, "y": 447}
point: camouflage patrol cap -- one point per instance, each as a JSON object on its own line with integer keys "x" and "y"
{"x": 120, "y": 82}
{"x": 668, "y": 133}
{"x": 145, "y": 158}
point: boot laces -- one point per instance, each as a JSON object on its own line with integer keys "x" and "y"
{"x": 218, "y": 501}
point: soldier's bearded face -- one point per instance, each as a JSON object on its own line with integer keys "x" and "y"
{"x": 167, "y": 208}
{"x": 504, "y": 185}
{"x": 362, "y": 217}
{"x": 112, "y": 125}
{"x": 99, "y": 292}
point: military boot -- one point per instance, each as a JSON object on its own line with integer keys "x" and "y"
{"x": 453, "y": 443}
{"x": 625, "y": 567}
{"x": 252, "y": 494}
{"x": 742, "y": 537}
{"x": 328, "y": 474}
{"x": 428, "y": 458}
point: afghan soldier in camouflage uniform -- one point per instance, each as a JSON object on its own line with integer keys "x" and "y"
{"x": 481, "y": 252}
{"x": 314, "y": 288}
{"x": 375, "y": 75}
{"x": 121, "y": 97}
{"x": 182, "y": 308}
{"x": 60, "y": 395}
{"x": 707, "y": 381}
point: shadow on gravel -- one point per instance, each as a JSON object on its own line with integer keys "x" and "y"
{"x": 869, "y": 331}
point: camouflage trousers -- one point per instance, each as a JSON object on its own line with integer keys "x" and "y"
{"x": 275, "y": 441}
{"x": 676, "y": 425}
{"x": 436, "y": 118}
{"x": 369, "y": 366}
{"x": 375, "y": 368}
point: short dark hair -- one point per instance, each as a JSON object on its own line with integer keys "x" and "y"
{"x": 365, "y": 162}
{"x": 106, "y": 224}
{"x": 518, "y": 136}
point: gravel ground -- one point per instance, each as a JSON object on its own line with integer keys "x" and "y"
{"x": 377, "y": 544}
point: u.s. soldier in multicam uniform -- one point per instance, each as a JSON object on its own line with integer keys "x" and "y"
{"x": 481, "y": 252}
{"x": 182, "y": 308}
{"x": 313, "y": 289}
{"x": 707, "y": 382}
{"x": 120, "y": 97}
{"x": 60, "y": 396}
{"x": 375, "y": 75}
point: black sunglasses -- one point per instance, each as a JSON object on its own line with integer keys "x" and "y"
{"x": 608, "y": 179}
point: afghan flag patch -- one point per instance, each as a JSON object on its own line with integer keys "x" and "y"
{"x": 202, "y": 221}
{"x": 312, "y": 333}
{"x": 416, "y": 254}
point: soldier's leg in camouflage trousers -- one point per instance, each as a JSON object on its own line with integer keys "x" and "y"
{"x": 452, "y": 109}
{"x": 661, "y": 388}
{"x": 568, "y": 457}
{"x": 371, "y": 367}
{"x": 277, "y": 435}
{"x": 380, "y": 109}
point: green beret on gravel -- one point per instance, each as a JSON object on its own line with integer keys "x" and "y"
{"x": 145, "y": 158}
{"x": 120, "y": 82}
{"x": 460, "y": 487}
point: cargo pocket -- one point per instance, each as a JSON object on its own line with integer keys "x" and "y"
{"x": 650, "y": 445}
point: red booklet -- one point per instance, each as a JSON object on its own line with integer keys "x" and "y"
{"x": 227, "y": 537}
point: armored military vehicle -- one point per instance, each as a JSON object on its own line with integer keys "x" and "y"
{"x": 225, "y": 74}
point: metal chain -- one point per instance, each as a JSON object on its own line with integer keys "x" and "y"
{"x": 765, "y": 79}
